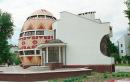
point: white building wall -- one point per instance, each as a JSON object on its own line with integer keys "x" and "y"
{"x": 122, "y": 46}
{"x": 125, "y": 41}
{"x": 83, "y": 39}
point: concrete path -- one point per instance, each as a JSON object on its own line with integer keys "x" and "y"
{"x": 122, "y": 68}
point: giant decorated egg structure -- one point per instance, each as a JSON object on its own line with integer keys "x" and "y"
{"x": 37, "y": 29}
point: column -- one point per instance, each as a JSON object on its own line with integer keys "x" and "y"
{"x": 41, "y": 57}
{"x": 44, "y": 59}
{"x": 46, "y": 54}
{"x": 59, "y": 54}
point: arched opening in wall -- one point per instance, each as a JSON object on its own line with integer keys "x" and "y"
{"x": 104, "y": 45}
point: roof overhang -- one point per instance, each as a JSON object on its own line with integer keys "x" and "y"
{"x": 51, "y": 45}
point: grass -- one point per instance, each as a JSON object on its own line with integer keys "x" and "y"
{"x": 122, "y": 65}
{"x": 94, "y": 77}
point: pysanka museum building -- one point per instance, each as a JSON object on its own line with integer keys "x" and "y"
{"x": 71, "y": 41}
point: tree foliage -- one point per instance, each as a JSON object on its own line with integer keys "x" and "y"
{"x": 6, "y": 32}
{"x": 127, "y": 12}
{"x": 6, "y": 25}
{"x": 111, "y": 48}
{"x": 14, "y": 59}
{"x": 112, "y": 51}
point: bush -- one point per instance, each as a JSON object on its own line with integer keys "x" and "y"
{"x": 126, "y": 75}
{"x": 105, "y": 75}
{"x": 113, "y": 75}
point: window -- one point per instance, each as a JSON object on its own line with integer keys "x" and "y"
{"x": 29, "y": 52}
{"x": 121, "y": 51}
{"x": 21, "y": 34}
{"x": 53, "y": 54}
{"x": 21, "y": 53}
{"x": 41, "y": 16}
{"x": 49, "y": 17}
{"x": 29, "y": 33}
{"x": 33, "y": 16}
{"x": 39, "y": 32}
{"x": 121, "y": 45}
{"x": 37, "y": 51}
{"x": 26, "y": 33}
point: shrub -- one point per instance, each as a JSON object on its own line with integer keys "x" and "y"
{"x": 118, "y": 75}
{"x": 105, "y": 75}
{"x": 113, "y": 75}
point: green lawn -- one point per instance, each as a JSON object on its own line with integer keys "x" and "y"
{"x": 122, "y": 65}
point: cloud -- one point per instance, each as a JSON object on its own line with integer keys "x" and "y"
{"x": 108, "y": 10}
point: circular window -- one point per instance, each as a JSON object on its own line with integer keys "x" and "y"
{"x": 103, "y": 45}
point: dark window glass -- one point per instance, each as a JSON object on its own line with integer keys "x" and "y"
{"x": 121, "y": 51}
{"x": 49, "y": 17}
{"x": 121, "y": 45}
{"x": 26, "y": 33}
{"x": 28, "y": 18}
{"x": 29, "y": 52}
{"x": 29, "y": 33}
{"x": 37, "y": 51}
{"x": 33, "y": 16}
{"x": 39, "y": 32}
{"x": 21, "y": 52}
{"x": 41, "y": 16}
{"x": 53, "y": 54}
{"x": 21, "y": 34}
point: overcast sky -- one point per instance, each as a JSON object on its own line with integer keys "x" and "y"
{"x": 107, "y": 10}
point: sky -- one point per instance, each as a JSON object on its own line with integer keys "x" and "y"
{"x": 107, "y": 10}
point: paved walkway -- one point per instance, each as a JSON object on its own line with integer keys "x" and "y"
{"x": 35, "y": 73}
{"x": 36, "y": 69}
{"x": 122, "y": 69}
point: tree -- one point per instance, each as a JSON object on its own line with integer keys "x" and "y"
{"x": 111, "y": 48}
{"x": 127, "y": 12}
{"x": 107, "y": 47}
{"x": 6, "y": 32}
{"x": 112, "y": 51}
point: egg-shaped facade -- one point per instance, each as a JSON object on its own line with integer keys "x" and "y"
{"x": 37, "y": 29}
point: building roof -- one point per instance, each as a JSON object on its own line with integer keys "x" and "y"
{"x": 41, "y": 12}
{"x": 86, "y": 18}
{"x": 55, "y": 41}
{"x": 52, "y": 43}
{"x": 39, "y": 19}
